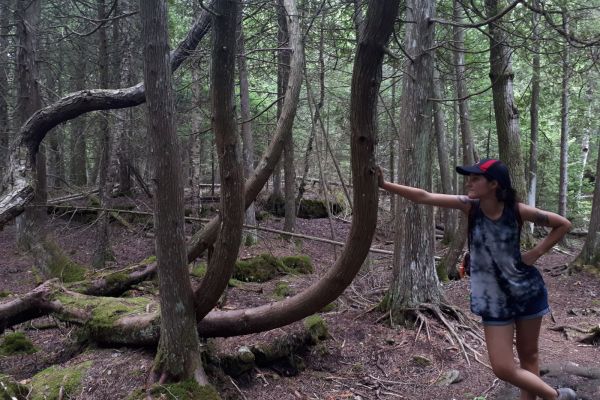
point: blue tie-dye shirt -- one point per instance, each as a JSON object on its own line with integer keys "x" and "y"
{"x": 502, "y": 286}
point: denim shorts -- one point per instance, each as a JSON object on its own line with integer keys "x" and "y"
{"x": 499, "y": 322}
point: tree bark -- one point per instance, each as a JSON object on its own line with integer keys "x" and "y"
{"x": 455, "y": 249}
{"x": 449, "y": 216}
{"x": 4, "y": 88}
{"x": 505, "y": 109}
{"x": 534, "y": 112}
{"x": 178, "y": 355}
{"x": 414, "y": 278}
{"x": 590, "y": 253}
{"x": 30, "y": 225}
{"x": 289, "y": 171}
{"x": 247, "y": 138}
{"x": 564, "y": 123}
{"x": 103, "y": 250}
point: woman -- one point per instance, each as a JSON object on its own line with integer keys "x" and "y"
{"x": 506, "y": 290}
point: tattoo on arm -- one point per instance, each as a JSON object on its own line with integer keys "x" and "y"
{"x": 541, "y": 219}
{"x": 464, "y": 199}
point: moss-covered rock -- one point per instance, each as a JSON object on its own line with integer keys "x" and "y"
{"x": 317, "y": 327}
{"x": 275, "y": 205}
{"x": 298, "y": 264}
{"x": 185, "y": 390}
{"x": 316, "y": 208}
{"x": 16, "y": 343}
{"x": 258, "y": 269}
{"x": 11, "y": 389}
{"x": 46, "y": 385}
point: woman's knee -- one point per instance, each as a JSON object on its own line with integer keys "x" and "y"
{"x": 528, "y": 354}
{"x": 504, "y": 371}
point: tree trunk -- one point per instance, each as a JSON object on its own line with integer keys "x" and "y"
{"x": 178, "y": 355}
{"x": 77, "y": 142}
{"x": 505, "y": 108}
{"x": 224, "y": 124}
{"x": 247, "y": 139}
{"x": 31, "y": 224}
{"x": 103, "y": 250}
{"x": 414, "y": 278}
{"x": 564, "y": 123}
{"x": 590, "y": 253}
{"x": 585, "y": 141}
{"x": 4, "y": 88}
{"x": 289, "y": 171}
{"x": 449, "y": 216}
{"x": 534, "y": 113}
{"x": 455, "y": 249}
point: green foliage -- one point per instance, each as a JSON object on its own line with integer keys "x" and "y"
{"x": 16, "y": 343}
{"x": 46, "y": 385}
{"x": 4, "y": 293}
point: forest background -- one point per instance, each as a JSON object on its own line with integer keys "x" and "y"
{"x": 454, "y": 82}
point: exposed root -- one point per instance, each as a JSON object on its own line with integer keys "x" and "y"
{"x": 459, "y": 329}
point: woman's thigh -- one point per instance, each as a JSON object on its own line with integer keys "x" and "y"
{"x": 499, "y": 342}
{"x": 527, "y": 336}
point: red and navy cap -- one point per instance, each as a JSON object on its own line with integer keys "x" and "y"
{"x": 489, "y": 167}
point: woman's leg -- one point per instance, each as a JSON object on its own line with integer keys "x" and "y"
{"x": 527, "y": 334}
{"x": 499, "y": 341}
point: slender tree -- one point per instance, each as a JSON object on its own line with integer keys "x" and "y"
{"x": 563, "y": 183}
{"x": 4, "y": 87}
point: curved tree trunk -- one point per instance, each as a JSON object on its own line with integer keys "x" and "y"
{"x": 178, "y": 356}
{"x": 17, "y": 187}
{"x": 365, "y": 87}
{"x": 222, "y": 261}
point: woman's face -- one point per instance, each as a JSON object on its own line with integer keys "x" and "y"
{"x": 479, "y": 187}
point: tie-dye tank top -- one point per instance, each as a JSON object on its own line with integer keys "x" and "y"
{"x": 502, "y": 286}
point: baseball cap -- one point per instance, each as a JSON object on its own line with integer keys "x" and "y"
{"x": 489, "y": 167}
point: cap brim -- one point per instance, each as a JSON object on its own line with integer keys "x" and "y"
{"x": 468, "y": 170}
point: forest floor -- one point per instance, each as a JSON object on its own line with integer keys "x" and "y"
{"x": 364, "y": 358}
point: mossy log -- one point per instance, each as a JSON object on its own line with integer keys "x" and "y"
{"x": 281, "y": 355}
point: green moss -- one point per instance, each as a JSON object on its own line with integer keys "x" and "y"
{"x": 4, "y": 293}
{"x": 63, "y": 267}
{"x": 185, "y": 390}
{"x": 329, "y": 307}
{"x": 235, "y": 283}
{"x": 258, "y": 269}
{"x": 249, "y": 239}
{"x": 317, "y": 327}
{"x": 116, "y": 277}
{"x": 298, "y": 264}
{"x": 16, "y": 343}
{"x": 199, "y": 270}
{"x": 442, "y": 271}
{"x": 311, "y": 208}
{"x": 148, "y": 260}
{"x": 10, "y": 389}
{"x": 105, "y": 311}
{"x": 282, "y": 289}
{"x": 46, "y": 385}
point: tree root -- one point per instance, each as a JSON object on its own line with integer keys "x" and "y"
{"x": 460, "y": 330}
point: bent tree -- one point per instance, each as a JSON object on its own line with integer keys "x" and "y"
{"x": 135, "y": 321}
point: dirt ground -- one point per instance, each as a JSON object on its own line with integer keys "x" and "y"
{"x": 365, "y": 358}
